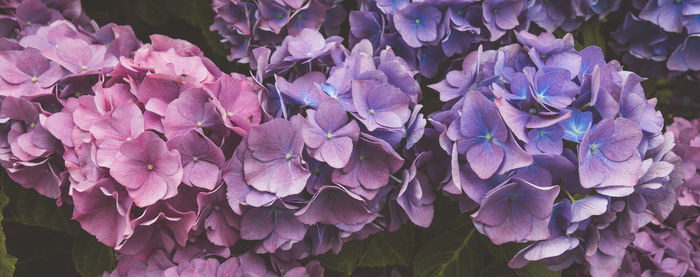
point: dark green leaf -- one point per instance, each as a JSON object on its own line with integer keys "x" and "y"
{"x": 30, "y": 208}
{"x": 347, "y": 260}
{"x": 90, "y": 257}
{"x": 379, "y": 250}
{"x": 385, "y": 249}
{"x": 592, "y": 35}
{"x": 7, "y": 261}
{"x": 450, "y": 254}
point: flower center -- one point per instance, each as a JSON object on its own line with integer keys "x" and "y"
{"x": 288, "y": 156}
{"x": 199, "y": 124}
{"x": 280, "y": 16}
{"x": 34, "y": 79}
{"x": 532, "y": 111}
{"x": 195, "y": 159}
{"x": 361, "y": 157}
{"x": 371, "y": 111}
{"x": 229, "y": 114}
{"x": 150, "y": 167}
{"x": 489, "y": 137}
{"x": 83, "y": 68}
{"x": 32, "y": 125}
{"x": 678, "y": 2}
{"x": 417, "y": 21}
{"x": 513, "y": 197}
{"x": 495, "y": 11}
{"x": 29, "y": 23}
{"x": 329, "y": 136}
{"x": 594, "y": 147}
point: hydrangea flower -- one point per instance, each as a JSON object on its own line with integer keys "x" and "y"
{"x": 329, "y": 135}
{"x": 514, "y": 102}
{"x": 245, "y": 25}
{"x": 340, "y": 126}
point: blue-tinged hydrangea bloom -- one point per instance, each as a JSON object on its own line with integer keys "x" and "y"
{"x": 338, "y": 151}
{"x": 657, "y": 38}
{"x": 592, "y": 164}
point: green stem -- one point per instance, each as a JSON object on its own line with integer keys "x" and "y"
{"x": 569, "y": 195}
{"x": 396, "y": 179}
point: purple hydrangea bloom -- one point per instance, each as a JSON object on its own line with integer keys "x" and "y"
{"x": 201, "y": 160}
{"x": 670, "y": 15}
{"x": 501, "y": 15}
{"x": 104, "y": 209}
{"x": 517, "y": 211}
{"x": 415, "y": 197}
{"x": 369, "y": 167}
{"x": 148, "y": 170}
{"x": 329, "y": 135}
{"x": 380, "y": 104}
{"x": 273, "y": 161}
{"x": 418, "y": 23}
{"x": 334, "y": 205}
{"x": 687, "y": 55}
{"x": 27, "y": 73}
{"x": 482, "y": 136}
{"x": 608, "y": 158}
{"x": 274, "y": 226}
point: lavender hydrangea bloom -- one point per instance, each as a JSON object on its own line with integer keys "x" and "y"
{"x": 518, "y": 211}
{"x": 482, "y": 136}
{"x": 305, "y": 89}
{"x": 369, "y": 167}
{"x": 334, "y": 205}
{"x": 27, "y": 73}
{"x": 418, "y": 23}
{"x": 274, "y": 159}
{"x": 612, "y": 192}
{"x": 608, "y": 158}
{"x": 277, "y": 228}
{"x": 687, "y": 55}
{"x": 670, "y": 15}
{"x": 379, "y": 104}
{"x": 329, "y": 135}
{"x": 148, "y": 170}
{"x": 201, "y": 160}
{"x": 415, "y": 196}
{"x": 104, "y": 209}
{"x": 501, "y": 15}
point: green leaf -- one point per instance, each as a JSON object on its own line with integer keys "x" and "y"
{"x": 385, "y": 249}
{"x": 7, "y": 261}
{"x": 592, "y": 35}
{"x": 450, "y": 254}
{"x": 347, "y": 260}
{"x": 378, "y": 250}
{"x": 90, "y": 257}
{"x": 30, "y": 208}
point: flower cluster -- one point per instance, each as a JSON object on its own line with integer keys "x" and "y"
{"x": 137, "y": 137}
{"x": 427, "y": 33}
{"x": 44, "y": 59}
{"x": 671, "y": 247}
{"x": 555, "y": 147}
{"x": 660, "y": 38}
{"x": 343, "y": 145}
{"x": 246, "y": 25}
